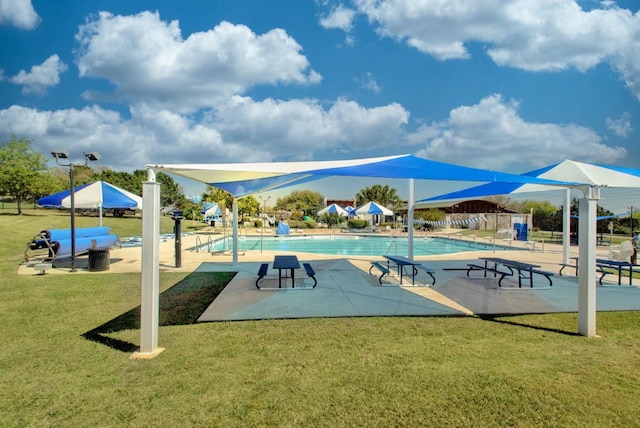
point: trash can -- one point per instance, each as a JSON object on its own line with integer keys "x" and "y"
{"x": 99, "y": 259}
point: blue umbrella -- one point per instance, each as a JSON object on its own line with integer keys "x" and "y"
{"x": 96, "y": 195}
{"x": 373, "y": 208}
{"x": 334, "y": 208}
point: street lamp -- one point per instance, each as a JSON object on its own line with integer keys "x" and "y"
{"x": 63, "y": 154}
{"x": 264, "y": 214}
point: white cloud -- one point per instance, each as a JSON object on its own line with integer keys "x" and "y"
{"x": 269, "y": 129}
{"x": 621, "y": 126}
{"x": 340, "y": 18}
{"x": 19, "y": 13}
{"x": 148, "y": 60}
{"x": 492, "y": 135}
{"x": 543, "y": 35}
{"x": 41, "y": 76}
{"x": 369, "y": 83}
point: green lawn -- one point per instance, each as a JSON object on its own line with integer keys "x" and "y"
{"x": 66, "y": 342}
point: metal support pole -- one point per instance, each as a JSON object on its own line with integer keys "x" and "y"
{"x": 178, "y": 241}
{"x": 73, "y": 216}
{"x": 235, "y": 232}
{"x": 566, "y": 226}
{"x": 410, "y": 207}
{"x": 587, "y": 262}
{"x": 150, "y": 302}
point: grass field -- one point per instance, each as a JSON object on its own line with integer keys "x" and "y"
{"x": 66, "y": 342}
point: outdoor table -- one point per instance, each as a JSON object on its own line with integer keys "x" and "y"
{"x": 401, "y": 262}
{"x": 512, "y": 265}
{"x": 613, "y": 264}
{"x": 619, "y": 266}
{"x": 284, "y": 263}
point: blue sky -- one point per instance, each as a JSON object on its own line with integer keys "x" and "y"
{"x": 505, "y": 85}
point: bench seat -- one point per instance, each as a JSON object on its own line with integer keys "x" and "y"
{"x": 311, "y": 273}
{"x": 502, "y": 274}
{"x": 381, "y": 268}
{"x": 429, "y": 272}
{"x": 262, "y": 272}
{"x": 546, "y": 274}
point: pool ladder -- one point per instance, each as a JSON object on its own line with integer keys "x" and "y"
{"x": 392, "y": 244}
{"x": 199, "y": 244}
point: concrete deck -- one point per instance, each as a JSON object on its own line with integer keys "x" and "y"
{"x": 346, "y": 289}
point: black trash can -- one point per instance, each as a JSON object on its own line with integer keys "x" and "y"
{"x": 99, "y": 259}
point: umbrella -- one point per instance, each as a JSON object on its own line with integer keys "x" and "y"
{"x": 373, "y": 208}
{"x": 334, "y": 208}
{"x": 96, "y": 195}
{"x": 211, "y": 210}
{"x": 350, "y": 210}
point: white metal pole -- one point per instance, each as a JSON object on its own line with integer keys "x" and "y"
{"x": 411, "y": 206}
{"x": 235, "y": 232}
{"x": 150, "y": 308}
{"x": 587, "y": 262}
{"x": 73, "y": 216}
{"x": 566, "y": 226}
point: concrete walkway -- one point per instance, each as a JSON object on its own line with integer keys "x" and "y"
{"x": 346, "y": 289}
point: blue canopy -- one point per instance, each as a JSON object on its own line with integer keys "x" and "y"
{"x": 98, "y": 194}
{"x": 568, "y": 170}
{"x": 241, "y": 179}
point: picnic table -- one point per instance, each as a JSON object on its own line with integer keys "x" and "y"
{"x": 618, "y": 266}
{"x": 514, "y": 266}
{"x": 286, "y": 263}
{"x": 401, "y": 263}
{"x": 603, "y": 264}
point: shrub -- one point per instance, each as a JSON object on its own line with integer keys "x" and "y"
{"x": 358, "y": 224}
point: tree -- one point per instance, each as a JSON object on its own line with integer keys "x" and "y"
{"x": 301, "y": 200}
{"x": 247, "y": 206}
{"x": 383, "y": 195}
{"x": 544, "y": 214}
{"x": 219, "y": 196}
{"x": 170, "y": 193}
{"x": 21, "y": 170}
{"x": 331, "y": 219}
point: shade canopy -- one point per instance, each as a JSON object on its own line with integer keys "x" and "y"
{"x": 373, "y": 208}
{"x": 334, "y": 209}
{"x": 567, "y": 170}
{"x": 98, "y": 194}
{"x": 241, "y": 179}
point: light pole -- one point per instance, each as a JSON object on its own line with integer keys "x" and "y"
{"x": 63, "y": 154}
{"x": 264, "y": 214}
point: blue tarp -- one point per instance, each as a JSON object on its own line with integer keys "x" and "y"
{"x": 283, "y": 228}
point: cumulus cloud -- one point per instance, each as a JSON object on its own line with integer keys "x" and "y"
{"x": 41, "y": 76}
{"x": 269, "y": 130}
{"x": 19, "y": 13}
{"x": 621, "y": 126}
{"x": 545, "y": 35}
{"x": 339, "y": 17}
{"x": 148, "y": 60}
{"x": 491, "y": 134}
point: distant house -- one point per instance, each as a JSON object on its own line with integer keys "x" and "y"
{"x": 344, "y": 203}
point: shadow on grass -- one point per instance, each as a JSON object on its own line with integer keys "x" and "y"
{"x": 509, "y": 319}
{"x": 181, "y": 304}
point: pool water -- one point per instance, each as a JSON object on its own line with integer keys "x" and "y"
{"x": 350, "y": 245}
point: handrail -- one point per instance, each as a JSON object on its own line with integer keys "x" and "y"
{"x": 392, "y": 244}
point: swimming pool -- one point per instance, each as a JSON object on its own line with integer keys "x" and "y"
{"x": 349, "y": 245}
